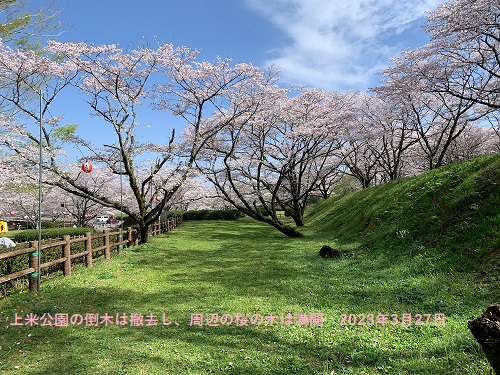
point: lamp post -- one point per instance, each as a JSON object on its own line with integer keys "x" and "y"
{"x": 121, "y": 207}
{"x": 40, "y": 155}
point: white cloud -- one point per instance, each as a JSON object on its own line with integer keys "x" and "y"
{"x": 339, "y": 44}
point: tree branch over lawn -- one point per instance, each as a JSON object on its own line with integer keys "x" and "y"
{"x": 276, "y": 155}
{"x": 118, "y": 85}
{"x": 466, "y": 33}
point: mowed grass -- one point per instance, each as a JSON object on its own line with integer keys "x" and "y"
{"x": 245, "y": 267}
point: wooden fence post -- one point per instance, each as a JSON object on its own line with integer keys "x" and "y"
{"x": 33, "y": 279}
{"x": 65, "y": 260}
{"x": 88, "y": 249}
{"x": 129, "y": 237}
{"x": 120, "y": 240}
{"x": 66, "y": 253}
{"x": 136, "y": 237}
{"x": 107, "y": 249}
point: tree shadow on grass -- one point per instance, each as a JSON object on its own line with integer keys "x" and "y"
{"x": 240, "y": 268}
{"x": 113, "y": 349}
{"x": 204, "y": 350}
{"x": 203, "y": 279}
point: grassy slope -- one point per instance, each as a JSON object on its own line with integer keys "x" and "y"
{"x": 451, "y": 215}
{"x": 247, "y": 267}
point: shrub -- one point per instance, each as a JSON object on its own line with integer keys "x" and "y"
{"x": 51, "y": 224}
{"x": 174, "y": 213}
{"x": 32, "y": 234}
{"x": 213, "y": 215}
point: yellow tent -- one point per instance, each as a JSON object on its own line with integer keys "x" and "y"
{"x": 3, "y": 227}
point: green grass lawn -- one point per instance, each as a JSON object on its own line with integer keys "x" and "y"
{"x": 244, "y": 267}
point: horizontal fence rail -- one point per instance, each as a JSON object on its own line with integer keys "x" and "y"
{"x": 72, "y": 250}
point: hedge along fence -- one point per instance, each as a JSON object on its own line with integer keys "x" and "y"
{"x": 51, "y": 233}
{"x": 213, "y": 215}
{"x": 65, "y": 252}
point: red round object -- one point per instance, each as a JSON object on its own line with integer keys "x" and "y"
{"x": 87, "y": 167}
{"x": 158, "y": 198}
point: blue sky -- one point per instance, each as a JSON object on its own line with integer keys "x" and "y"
{"x": 331, "y": 44}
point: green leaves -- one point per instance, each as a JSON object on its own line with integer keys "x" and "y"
{"x": 65, "y": 133}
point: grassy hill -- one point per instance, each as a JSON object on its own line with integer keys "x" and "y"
{"x": 411, "y": 248}
{"x": 451, "y": 214}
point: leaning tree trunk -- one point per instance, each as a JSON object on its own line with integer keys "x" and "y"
{"x": 287, "y": 230}
{"x": 273, "y": 221}
{"x": 486, "y": 330}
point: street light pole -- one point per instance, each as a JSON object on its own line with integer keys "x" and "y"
{"x": 121, "y": 207}
{"x": 40, "y": 150}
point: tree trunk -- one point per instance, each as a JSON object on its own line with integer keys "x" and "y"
{"x": 486, "y": 330}
{"x": 288, "y": 231}
{"x": 143, "y": 233}
{"x": 298, "y": 219}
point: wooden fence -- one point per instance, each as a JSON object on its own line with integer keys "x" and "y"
{"x": 105, "y": 243}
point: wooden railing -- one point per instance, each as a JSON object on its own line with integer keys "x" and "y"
{"x": 105, "y": 243}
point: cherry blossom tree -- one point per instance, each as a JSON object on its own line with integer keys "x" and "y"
{"x": 20, "y": 196}
{"x": 275, "y": 158}
{"x": 474, "y": 141}
{"x": 466, "y": 33}
{"x": 238, "y": 161}
{"x": 360, "y": 162}
{"x": 329, "y": 180}
{"x": 438, "y": 117}
{"x": 195, "y": 194}
{"x": 358, "y": 156}
{"x": 309, "y": 130}
{"x": 83, "y": 208}
{"x": 388, "y": 127}
{"x": 118, "y": 85}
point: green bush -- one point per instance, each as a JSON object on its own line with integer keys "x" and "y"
{"x": 32, "y": 234}
{"x": 213, "y": 215}
{"x": 45, "y": 225}
{"x": 174, "y": 213}
{"x": 51, "y": 224}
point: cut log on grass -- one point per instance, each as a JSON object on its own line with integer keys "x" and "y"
{"x": 486, "y": 330}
